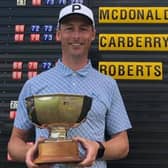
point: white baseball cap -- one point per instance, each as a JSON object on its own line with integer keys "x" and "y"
{"x": 76, "y": 8}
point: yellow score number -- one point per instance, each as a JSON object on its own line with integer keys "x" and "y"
{"x": 132, "y": 70}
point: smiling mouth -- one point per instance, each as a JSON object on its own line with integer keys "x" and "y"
{"x": 76, "y": 44}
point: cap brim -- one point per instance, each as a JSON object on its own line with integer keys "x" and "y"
{"x": 61, "y": 20}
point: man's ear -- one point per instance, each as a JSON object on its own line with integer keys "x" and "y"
{"x": 94, "y": 35}
{"x": 58, "y": 36}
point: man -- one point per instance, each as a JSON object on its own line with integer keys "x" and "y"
{"x": 74, "y": 74}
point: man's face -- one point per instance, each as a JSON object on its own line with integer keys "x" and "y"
{"x": 75, "y": 34}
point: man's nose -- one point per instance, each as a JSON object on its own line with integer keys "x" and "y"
{"x": 76, "y": 34}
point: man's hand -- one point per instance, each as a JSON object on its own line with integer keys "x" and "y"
{"x": 91, "y": 148}
{"x": 31, "y": 155}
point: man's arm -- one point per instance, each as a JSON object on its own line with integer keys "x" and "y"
{"x": 17, "y": 146}
{"x": 115, "y": 148}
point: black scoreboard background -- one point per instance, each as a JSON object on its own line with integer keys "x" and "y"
{"x": 28, "y": 47}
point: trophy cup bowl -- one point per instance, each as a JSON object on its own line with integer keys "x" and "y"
{"x": 58, "y": 113}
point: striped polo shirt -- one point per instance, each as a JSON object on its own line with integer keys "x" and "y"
{"x": 107, "y": 113}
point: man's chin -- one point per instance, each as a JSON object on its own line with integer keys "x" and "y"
{"x": 77, "y": 53}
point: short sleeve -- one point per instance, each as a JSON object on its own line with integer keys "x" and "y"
{"x": 117, "y": 119}
{"x": 22, "y": 120}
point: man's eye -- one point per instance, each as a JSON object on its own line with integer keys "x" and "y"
{"x": 69, "y": 28}
{"x": 84, "y": 28}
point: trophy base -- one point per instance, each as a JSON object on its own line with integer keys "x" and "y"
{"x": 62, "y": 151}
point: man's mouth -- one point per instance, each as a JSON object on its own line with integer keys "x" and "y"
{"x": 76, "y": 44}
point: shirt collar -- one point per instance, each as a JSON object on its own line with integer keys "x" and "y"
{"x": 66, "y": 71}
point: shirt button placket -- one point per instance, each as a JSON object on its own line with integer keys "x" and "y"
{"x": 74, "y": 78}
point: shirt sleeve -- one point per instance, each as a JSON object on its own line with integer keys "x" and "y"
{"x": 117, "y": 119}
{"x": 22, "y": 120}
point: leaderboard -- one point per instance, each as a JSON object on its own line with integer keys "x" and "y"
{"x": 37, "y": 32}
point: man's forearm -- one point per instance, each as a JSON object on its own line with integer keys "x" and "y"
{"x": 117, "y": 147}
{"x": 18, "y": 151}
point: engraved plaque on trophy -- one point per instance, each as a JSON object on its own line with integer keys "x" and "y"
{"x": 58, "y": 113}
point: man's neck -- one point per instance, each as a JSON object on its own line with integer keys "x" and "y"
{"x": 75, "y": 63}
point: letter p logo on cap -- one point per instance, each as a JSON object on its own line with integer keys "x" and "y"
{"x": 76, "y": 7}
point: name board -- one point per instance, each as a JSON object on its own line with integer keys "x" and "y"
{"x": 132, "y": 70}
{"x": 133, "y": 14}
{"x": 133, "y": 42}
